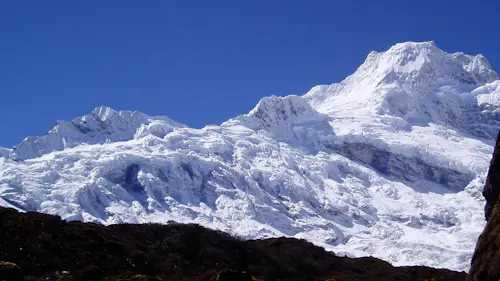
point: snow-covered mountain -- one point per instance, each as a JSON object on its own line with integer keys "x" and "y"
{"x": 389, "y": 162}
{"x": 101, "y": 126}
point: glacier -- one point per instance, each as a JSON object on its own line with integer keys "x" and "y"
{"x": 389, "y": 163}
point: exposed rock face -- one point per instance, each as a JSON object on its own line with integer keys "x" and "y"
{"x": 492, "y": 186}
{"x": 486, "y": 260}
{"x": 35, "y": 246}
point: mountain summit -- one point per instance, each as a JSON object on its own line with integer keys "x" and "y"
{"x": 103, "y": 125}
{"x": 417, "y": 82}
{"x": 389, "y": 162}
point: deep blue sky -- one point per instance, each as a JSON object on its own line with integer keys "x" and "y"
{"x": 202, "y": 62}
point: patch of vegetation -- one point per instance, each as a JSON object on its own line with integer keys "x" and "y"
{"x": 5, "y": 265}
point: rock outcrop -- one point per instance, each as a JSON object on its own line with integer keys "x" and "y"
{"x": 485, "y": 264}
{"x": 35, "y": 246}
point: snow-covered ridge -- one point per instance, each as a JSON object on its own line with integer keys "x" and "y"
{"x": 389, "y": 162}
{"x": 289, "y": 119}
{"x": 488, "y": 95}
{"x": 5, "y": 152}
{"x": 417, "y": 82}
{"x": 102, "y": 125}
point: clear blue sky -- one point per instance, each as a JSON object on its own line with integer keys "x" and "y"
{"x": 202, "y": 62}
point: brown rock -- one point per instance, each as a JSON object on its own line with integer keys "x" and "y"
{"x": 485, "y": 265}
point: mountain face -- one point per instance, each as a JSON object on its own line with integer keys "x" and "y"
{"x": 102, "y": 125}
{"x": 485, "y": 263}
{"x": 389, "y": 162}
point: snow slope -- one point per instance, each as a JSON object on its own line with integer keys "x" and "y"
{"x": 389, "y": 163}
{"x": 102, "y": 125}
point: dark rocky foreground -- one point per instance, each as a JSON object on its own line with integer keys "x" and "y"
{"x": 486, "y": 260}
{"x": 36, "y": 246}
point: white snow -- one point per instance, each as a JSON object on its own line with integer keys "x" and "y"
{"x": 4, "y": 152}
{"x": 102, "y": 125}
{"x": 389, "y": 162}
{"x": 489, "y": 94}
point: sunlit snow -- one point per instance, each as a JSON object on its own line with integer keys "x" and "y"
{"x": 389, "y": 162}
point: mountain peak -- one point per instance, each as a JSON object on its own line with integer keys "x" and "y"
{"x": 415, "y": 81}
{"x": 282, "y": 108}
{"x": 413, "y": 45}
{"x": 422, "y": 57}
{"x": 409, "y": 47}
{"x": 102, "y": 125}
{"x": 290, "y": 119}
{"x": 103, "y": 112}
{"x": 277, "y": 112}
